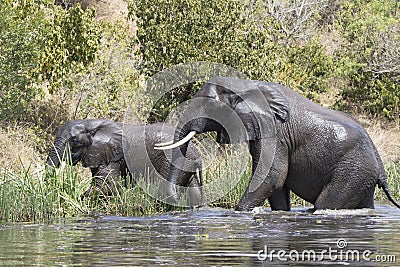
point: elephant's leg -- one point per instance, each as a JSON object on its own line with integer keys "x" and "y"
{"x": 274, "y": 182}
{"x": 105, "y": 180}
{"x": 368, "y": 201}
{"x": 350, "y": 188}
{"x": 194, "y": 189}
{"x": 280, "y": 200}
{"x": 267, "y": 189}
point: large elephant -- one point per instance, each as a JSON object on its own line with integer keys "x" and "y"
{"x": 99, "y": 145}
{"x": 322, "y": 155}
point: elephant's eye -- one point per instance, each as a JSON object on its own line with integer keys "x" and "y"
{"x": 74, "y": 141}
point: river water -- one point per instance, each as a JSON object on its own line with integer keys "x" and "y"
{"x": 210, "y": 237}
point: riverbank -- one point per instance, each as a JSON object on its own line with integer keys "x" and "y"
{"x": 29, "y": 192}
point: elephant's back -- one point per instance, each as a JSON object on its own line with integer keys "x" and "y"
{"x": 164, "y": 132}
{"x": 139, "y": 142}
{"x": 138, "y": 145}
{"x": 159, "y": 132}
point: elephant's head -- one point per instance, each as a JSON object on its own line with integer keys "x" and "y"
{"x": 238, "y": 110}
{"x": 93, "y": 142}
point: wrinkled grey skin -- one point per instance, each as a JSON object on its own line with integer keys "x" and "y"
{"x": 323, "y": 156}
{"x": 98, "y": 145}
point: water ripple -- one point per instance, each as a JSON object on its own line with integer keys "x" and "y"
{"x": 205, "y": 237}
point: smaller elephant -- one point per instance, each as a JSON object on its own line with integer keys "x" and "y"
{"x": 99, "y": 145}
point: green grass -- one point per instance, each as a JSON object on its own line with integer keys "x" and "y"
{"x": 393, "y": 177}
{"x": 41, "y": 195}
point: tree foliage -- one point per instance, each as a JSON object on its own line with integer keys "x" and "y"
{"x": 110, "y": 85}
{"x": 370, "y": 56}
{"x": 71, "y": 42}
{"x": 280, "y": 41}
{"x": 40, "y": 43}
{"x": 236, "y": 33}
{"x": 22, "y": 36}
{"x": 88, "y": 66}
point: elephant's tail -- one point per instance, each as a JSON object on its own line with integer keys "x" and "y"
{"x": 382, "y": 183}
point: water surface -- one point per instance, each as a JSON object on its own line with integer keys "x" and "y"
{"x": 210, "y": 237}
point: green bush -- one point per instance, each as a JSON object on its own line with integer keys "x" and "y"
{"x": 41, "y": 43}
{"x": 71, "y": 43}
{"x": 236, "y": 33}
{"x": 369, "y": 57}
{"x": 22, "y": 35}
{"x": 110, "y": 85}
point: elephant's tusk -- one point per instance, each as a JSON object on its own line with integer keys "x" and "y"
{"x": 177, "y": 144}
{"x": 165, "y": 143}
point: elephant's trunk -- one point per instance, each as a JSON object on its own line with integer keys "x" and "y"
{"x": 263, "y": 154}
{"x": 57, "y": 153}
{"x": 177, "y": 163}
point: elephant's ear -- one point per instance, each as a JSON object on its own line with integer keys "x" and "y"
{"x": 258, "y": 106}
{"x": 277, "y": 102}
{"x": 106, "y": 144}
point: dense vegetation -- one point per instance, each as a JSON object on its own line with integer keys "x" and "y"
{"x": 58, "y": 64}
{"x": 313, "y": 46}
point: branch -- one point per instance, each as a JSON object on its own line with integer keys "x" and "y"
{"x": 385, "y": 58}
{"x": 295, "y": 16}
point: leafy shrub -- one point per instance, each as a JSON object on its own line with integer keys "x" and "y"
{"x": 71, "y": 43}
{"x": 40, "y": 44}
{"x": 236, "y": 33}
{"x": 370, "y": 58}
{"x": 110, "y": 85}
{"x": 22, "y": 35}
